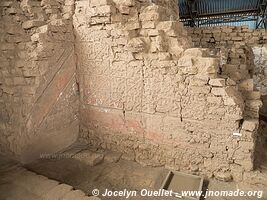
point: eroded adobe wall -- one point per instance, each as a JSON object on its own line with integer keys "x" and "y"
{"x": 146, "y": 92}
{"x": 253, "y": 43}
{"x": 260, "y": 74}
{"x": 216, "y": 37}
{"x": 39, "y": 104}
{"x": 226, "y": 35}
{"x": 244, "y": 60}
{"x": 260, "y": 52}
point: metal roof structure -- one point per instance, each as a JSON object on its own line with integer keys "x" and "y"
{"x": 223, "y": 12}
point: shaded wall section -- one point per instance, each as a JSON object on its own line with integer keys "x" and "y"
{"x": 38, "y": 84}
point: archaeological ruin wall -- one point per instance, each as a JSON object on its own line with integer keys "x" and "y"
{"x": 260, "y": 78}
{"x": 237, "y": 36}
{"x": 39, "y": 96}
{"x": 146, "y": 92}
{"x": 127, "y": 76}
{"x": 253, "y": 43}
{"x": 207, "y": 37}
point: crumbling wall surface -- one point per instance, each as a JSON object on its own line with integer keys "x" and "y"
{"x": 226, "y": 35}
{"x": 238, "y": 64}
{"x": 38, "y": 86}
{"x": 260, "y": 74}
{"x": 260, "y": 53}
{"x": 146, "y": 92}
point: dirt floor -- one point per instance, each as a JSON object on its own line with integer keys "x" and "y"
{"x": 113, "y": 173}
{"x": 113, "y": 176}
{"x": 17, "y": 183}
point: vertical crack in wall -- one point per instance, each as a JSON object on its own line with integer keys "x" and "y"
{"x": 181, "y": 109}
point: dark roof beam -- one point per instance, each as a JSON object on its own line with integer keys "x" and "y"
{"x": 229, "y": 20}
{"x": 223, "y": 13}
{"x": 192, "y": 8}
{"x": 262, "y": 20}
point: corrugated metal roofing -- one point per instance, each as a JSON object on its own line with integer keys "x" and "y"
{"x": 212, "y": 7}
{"x": 221, "y": 12}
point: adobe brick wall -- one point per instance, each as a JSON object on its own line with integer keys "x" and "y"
{"x": 39, "y": 100}
{"x": 146, "y": 92}
{"x": 260, "y": 78}
{"x": 224, "y": 36}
